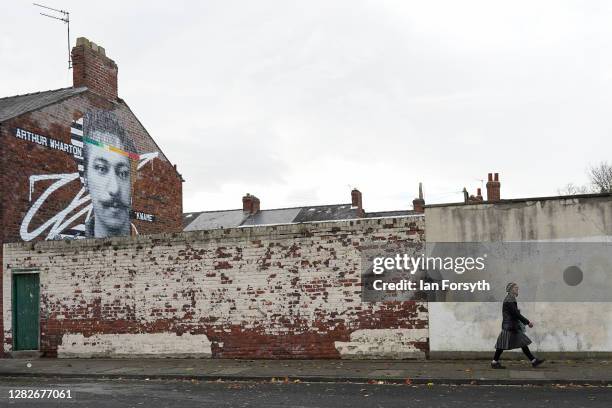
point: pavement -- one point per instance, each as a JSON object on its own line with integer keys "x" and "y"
{"x": 476, "y": 372}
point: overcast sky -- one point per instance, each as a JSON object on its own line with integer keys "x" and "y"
{"x": 298, "y": 101}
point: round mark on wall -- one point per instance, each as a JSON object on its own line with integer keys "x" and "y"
{"x": 572, "y": 275}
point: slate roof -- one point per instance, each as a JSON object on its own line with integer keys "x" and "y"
{"x": 19, "y": 104}
{"x": 213, "y": 219}
{"x": 397, "y": 213}
{"x": 205, "y": 220}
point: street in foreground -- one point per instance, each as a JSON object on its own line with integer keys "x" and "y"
{"x": 185, "y": 394}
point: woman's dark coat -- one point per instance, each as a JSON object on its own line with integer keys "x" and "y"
{"x": 512, "y": 335}
{"x": 512, "y": 316}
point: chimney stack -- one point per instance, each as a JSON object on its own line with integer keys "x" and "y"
{"x": 418, "y": 204}
{"x": 493, "y": 187}
{"x": 250, "y": 204}
{"x": 356, "y": 201}
{"x": 93, "y": 69}
{"x": 472, "y": 199}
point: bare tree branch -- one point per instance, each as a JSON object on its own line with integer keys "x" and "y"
{"x": 601, "y": 177}
{"x": 572, "y": 189}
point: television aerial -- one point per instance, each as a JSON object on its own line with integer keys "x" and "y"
{"x": 63, "y": 16}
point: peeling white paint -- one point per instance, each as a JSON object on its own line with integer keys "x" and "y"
{"x": 134, "y": 345}
{"x": 383, "y": 344}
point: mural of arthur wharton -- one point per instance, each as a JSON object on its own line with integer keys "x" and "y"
{"x": 107, "y": 174}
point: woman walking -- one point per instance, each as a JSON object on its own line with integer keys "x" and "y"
{"x": 513, "y": 335}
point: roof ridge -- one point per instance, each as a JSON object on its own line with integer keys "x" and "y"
{"x": 382, "y": 211}
{"x": 211, "y": 211}
{"x": 39, "y": 92}
{"x": 271, "y": 209}
{"x": 311, "y": 206}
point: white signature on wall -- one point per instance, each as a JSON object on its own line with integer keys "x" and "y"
{"x": 65, "y": 219}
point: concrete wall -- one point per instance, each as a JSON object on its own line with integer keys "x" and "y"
{"x": 288, "y": 291}
{"x": 559, "y": 327}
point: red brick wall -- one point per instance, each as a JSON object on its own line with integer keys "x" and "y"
{"x": 156, "y": 188}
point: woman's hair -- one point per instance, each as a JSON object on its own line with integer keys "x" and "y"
{"x": 510, "y": 285}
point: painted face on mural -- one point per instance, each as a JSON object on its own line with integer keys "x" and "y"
{"x": 109, "y": 184}
{"x": 107, "y": 174}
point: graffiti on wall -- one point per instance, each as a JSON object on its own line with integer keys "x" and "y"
{"x": 106, "y": 163}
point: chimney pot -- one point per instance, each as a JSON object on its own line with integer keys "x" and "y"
{"x": 493, "y": 188}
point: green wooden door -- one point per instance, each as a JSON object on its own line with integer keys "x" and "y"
{"x": 25, "y": 311}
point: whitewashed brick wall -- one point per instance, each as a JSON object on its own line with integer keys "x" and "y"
{"x": 290, "y": 291}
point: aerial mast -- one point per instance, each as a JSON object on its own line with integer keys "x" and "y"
{"x": 63, "y": 16}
